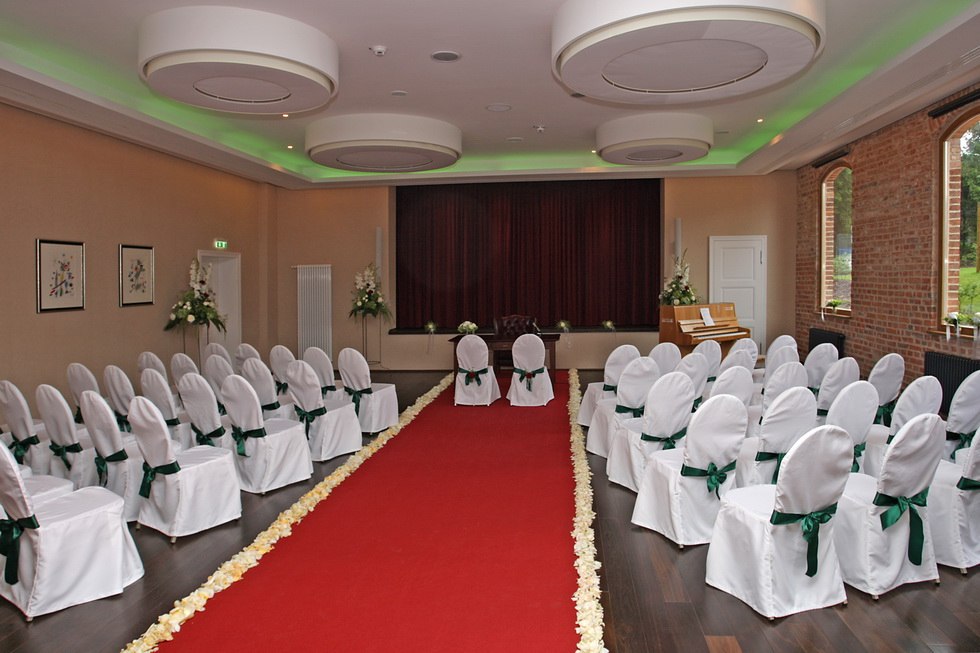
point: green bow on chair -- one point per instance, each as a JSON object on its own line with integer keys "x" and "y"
{"x": 123, "y": 422}
{"x": 473, "y": 375}
{"x": 324, "y": 389}
{"x": 609, "y": 388}
{"x": 308, "y": 417}
{"x": 207, "y": 439}
{"x": 635, "y": 412}
{"x": 965, "y": 440}
{"x": 897, "y": 506}
{"x": 811, "y": 530}
{"x": 527, "y": 376}
{"x": 670, "y": 442}
{"x": 102, "y": 467}
{"x": 281, "y": 387}
{"x": 967, "y": 484}
{"x": 713, "y": 475}
{"x": 63, "y": 451}
{"x": 150, "y": 473}
{"x": 355, "y": 396}
{"x": 241, "y": 436}
{"x": 21, "y": 447}
{"x": 763, "y": 456}
{"x": 884, "y": 413}
{"x": 271, "y": 406}
{"x": 173, "y": 421}
{"x": 858, "y": 450}
{"x": 10, "y": 531}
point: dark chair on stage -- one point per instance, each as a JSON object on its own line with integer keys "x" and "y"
{"x": 512, "y": 326}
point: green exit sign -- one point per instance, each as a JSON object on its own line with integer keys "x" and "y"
{"x": 221, "y": 244}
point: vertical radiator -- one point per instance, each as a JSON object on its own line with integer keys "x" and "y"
{"x": 820, "y": 336}
{"x": 950, "y": 370}
{"x": 313, "y": 308}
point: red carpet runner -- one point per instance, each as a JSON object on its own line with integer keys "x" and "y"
{"x": 453, "y": 537}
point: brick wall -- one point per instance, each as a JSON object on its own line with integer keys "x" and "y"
{"x": 897, "y": 207}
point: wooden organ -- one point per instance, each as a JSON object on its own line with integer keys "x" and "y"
{"x": 685, "y": 325}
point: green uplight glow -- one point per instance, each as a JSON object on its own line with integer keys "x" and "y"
{"x": 125, "y": 90}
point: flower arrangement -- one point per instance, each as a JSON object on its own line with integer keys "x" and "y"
{"x": 952, "y": 319}
{"x": 608, "y": 325}
{"x": 467, "y": 327}
{"x": 196, "y": 306}
{"x": 564, "y": 326}
{"x": 430, "y": 327}
{"x": 367, "y": 299}
{"x": 678, "y": 290}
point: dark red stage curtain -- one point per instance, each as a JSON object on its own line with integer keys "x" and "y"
{"x": 579, "y": 251}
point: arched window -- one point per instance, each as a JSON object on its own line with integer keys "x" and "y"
{"x": 835, "y": 255}
{"x": 960, "y": 278}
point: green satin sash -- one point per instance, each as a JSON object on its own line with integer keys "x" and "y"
{"x": 21, "y": 447}
{"x": 102, "y": 467}
{"x": 897, "y": 506}
{"x": 811, "y": 530}
{"x": 714, "y": 476}
{"x": 473, "y": 375}
{"x": 241, "y": 436}
{"x": 355, "y": 396}
{"x": 207, "y": 439}
{"x": 635, "y": 412}
{"x": 63, "y": 451}
{"x": 670, "y": 442}
{"x": 527, "y": 376}
{"x": 763, "y": 456}
{"x": 10, "y": 532}
{"x": 150, "y": 473}
{"x": 308, "y": 417}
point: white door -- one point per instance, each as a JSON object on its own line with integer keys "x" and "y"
{"x": 737, "y": 273}
{"x": 226, "y": 281}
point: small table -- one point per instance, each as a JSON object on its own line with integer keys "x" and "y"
{"x": 500, "y": 343}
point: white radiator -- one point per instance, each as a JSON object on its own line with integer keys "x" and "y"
{"x": 314, "y": 311}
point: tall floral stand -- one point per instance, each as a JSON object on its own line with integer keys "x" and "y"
{"x": 364, "y": 342}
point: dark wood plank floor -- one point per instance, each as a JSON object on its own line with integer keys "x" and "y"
{"x": 654, "y": 594}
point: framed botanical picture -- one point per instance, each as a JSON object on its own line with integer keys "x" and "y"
{"x": 135, "y": 275}
{"x": 60, "y": 275}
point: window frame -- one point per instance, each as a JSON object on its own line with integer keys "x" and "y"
{"x": 825, "y": 263}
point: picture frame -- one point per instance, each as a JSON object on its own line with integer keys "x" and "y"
{"x": 59, "y": 275}
{"x": 136, "y": 275}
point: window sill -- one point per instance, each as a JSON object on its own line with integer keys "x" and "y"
{"x": 840, "y": 312}
{"x": 966, "y": 333}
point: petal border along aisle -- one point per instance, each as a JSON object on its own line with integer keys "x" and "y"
{"x": 588, "y": 609}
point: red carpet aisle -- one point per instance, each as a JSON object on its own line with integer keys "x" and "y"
{"x": 454, "y": 537}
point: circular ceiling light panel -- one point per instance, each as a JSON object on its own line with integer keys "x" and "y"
{"x": 383, "y": 142}
{"x": 237, "y": 60}
{"x": 655, "y": 138}
{"x": 683, "y": 52}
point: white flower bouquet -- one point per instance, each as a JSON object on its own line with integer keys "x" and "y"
{"x": 467, "y": 327}
{"x": 196, "y": 306}
{"x": 678, "y": 290}
{"x": 367, "y": 297}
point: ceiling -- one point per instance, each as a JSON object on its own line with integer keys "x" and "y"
{"x": 880, "y": 60}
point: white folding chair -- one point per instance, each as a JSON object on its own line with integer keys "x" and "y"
{"x": 792, "y": 414}
{"x": 216, "y": 370}
{"x": 666, "y": 355}
{"x": 964, "y": 416}
{"x": 208, "y": 426}
{"x": 217, "y": 349}
{"x": 840, "y": 375}
{"x": 954, "y": 509}
{"x": 260, "y": 378}
{"x": 321, "y": 364}
{"x": 331, "y": 430}
{"x": 680, "y": 491}
{"x": 186, "y": 492}
{"x": 243, "y": 352}
{"x": 181, "y": 364}
{"x": 80, "y": 379}
{"x": 788, "y": 375}
{"x": 118, "y": 461}
{"x": 147, "y": 360}
{"x": 120, "y": 393}
{"x": 476, "y": 383}
{"x": 854, "y": 411}
{"x": 923, "y": 395}
{"x": 631, "y": 394}
{"x": 530, "y": 384}
{"x": 155, "y": 388}
{"x": 887, "y": 376}
{"x": 376, "y": 404}
{"x": 616, "y": 362}
{"x": 883, "y": 535}
{"x": 279, "y": 359}
{"x": 817, "y": 364}
{"x": 695, "y": 365}
{"x": 28, "y": 440}
{"x": 666, "y": 414}
{"x": 73, "y": 456}
{"x": 65, "y": 551}
{"x": 270, "y": 453}
{"x": 773, "y": 546}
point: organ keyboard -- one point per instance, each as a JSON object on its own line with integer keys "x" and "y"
{"x": 685, "y": 326}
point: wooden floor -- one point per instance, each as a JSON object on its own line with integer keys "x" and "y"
{"x": 654, "y": 595}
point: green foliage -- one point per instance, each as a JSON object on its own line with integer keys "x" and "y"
{"x": 843, "y": 210}
{"x": 970, "y": 185}
{"x": 842, "y": 266}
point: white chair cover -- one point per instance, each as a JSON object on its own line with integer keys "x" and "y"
{"x": 711, "y": 351}
{"x": 854, "y": 411}
{"x": 923, "y": 395}
{"x": 261, "y": 380}
{"x": 954, "y": 509}
{"x": 735, "y": 381}
{"x": 243, "y": 352}
{"x": 774, "y": 360}
{"x": 818, "y": 362}
{"x": 631, "y": 395}
{"x": 666, "y": 355}
{"x": 792, "y": 414}
{"x": 695, "y": 365}
{"x": 770, "y": 566}
{"x": 181, "y": 364}
{"x": 376, "y": 410}
{"x": 887, "y": 376}
{"x": 878, "y": 554}
{"x": 207, "y": 425}
{"x": 80, "y": 379}
{"x": 120, "y": 393}
{"x": 154, "y": 387}
{"x": 73, "y": 548}
{"x": 217, "y": 349}
{"x": 321, "y": 364}
{"x": 679, "y": 494}
{"x": 964, "y": 415}
{"x": 749, "y": 346}
{"x": 788, "y": 375}
{"x": 476, "y": 383}
{"x": 118, "y": 462}
{"x": 737, "y": 358}
{"x": 28, "y": 442}
{"x": 606, "y": 389}
{"x": 530, "y": 384}
{"x": 840, "y": 375}
{"x": 216, "y": 370}
{"x": 666, "y": 415}
{"x": 73, "y": 456}
{"x": 269, "y": 453}
{"x": 147, "y": 360}
{"x": 331, "y": 431}
{"x": 185, "y": 492}
{"x": 778, "y": 343}
{"x": 279, "y": 359}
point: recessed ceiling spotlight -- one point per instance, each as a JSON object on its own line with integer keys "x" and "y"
{"x": 399, "y": 93}
{"x": 538, "y": 128}
{"x": 285, "y": 115}
{"x": 515, "y": 139}
{"x": 445, "y": 56}
{"x": 289, "y": 147}
{"x": 577, "y": 95}
{"x": 759, "y": 119}
{"x": 498, "y": 107}
{"x": 593, "y": 151}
